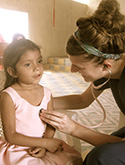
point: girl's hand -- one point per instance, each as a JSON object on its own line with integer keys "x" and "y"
{"x": 58, "y": 120}
{"x": 53, "y": 145}
{"x": 37, "y": 152}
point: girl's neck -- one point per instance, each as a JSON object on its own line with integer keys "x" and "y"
{"x": 32, "y": 94}
{"x": 21, "y": 86}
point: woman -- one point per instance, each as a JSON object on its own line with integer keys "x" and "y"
{"x": 97, "y": 51}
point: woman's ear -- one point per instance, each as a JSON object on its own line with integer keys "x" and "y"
{"x": 107, "y": 64}
{"x": 11, "y": 72}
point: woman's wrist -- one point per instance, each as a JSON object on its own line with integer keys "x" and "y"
{"x": 73, "y": 128}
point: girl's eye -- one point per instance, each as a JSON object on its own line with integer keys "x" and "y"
{"x": 28, "y": 64}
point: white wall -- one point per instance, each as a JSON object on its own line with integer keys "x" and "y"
{"x": 41, "y": 30}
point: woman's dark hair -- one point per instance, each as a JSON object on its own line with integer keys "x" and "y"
{"x": 105, "y": 30}
{"x": 12, "y": 54}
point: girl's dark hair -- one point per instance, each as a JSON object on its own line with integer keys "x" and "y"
{"x": 105, "y": 30}
{"x": 17, "y": 36}
{"x": 12, "y": 54}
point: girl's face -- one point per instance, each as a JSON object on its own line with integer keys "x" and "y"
{"x": 89, "y": 70}
{"x": 29, "y": 68}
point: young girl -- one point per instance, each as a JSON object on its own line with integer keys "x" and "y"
{"x": 28, "y": 140}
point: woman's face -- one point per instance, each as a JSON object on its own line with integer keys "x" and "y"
{"x": 89, "y": 70}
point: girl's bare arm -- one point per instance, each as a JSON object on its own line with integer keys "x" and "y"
{"x": 50, "y": 131}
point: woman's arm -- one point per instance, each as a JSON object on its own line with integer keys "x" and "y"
{"x": 64, "y": 124}
{"x": 93, "y": 137}
{"x": 75, "y": 101}
{"x": 13, "y": 137}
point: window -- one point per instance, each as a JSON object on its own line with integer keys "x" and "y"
{"x": 83, "y": 1}
{"x": 12, "y": 22}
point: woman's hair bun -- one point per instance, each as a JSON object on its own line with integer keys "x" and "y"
{"x": 107, "y": 7}
{"x": 109, "y": 16}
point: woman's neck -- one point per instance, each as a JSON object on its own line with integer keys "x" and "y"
{"x": 117, "y": 68}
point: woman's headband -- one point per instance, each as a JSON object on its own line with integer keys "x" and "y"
{"x": 92, "y": 50}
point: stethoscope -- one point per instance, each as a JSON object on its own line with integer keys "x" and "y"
{"x": 103, "y": 110}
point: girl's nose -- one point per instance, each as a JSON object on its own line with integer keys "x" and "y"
{"x": 36, "y": 67}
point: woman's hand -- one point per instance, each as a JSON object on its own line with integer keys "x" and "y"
{"x": 58, "y": 120}
{"x": 37, "y": 152}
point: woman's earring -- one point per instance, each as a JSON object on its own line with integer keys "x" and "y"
{"x": 99, "y": 86}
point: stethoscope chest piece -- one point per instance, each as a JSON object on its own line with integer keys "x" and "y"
{"x": 40, "y": 111}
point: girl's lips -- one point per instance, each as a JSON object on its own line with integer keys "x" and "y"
{"x": 37, "y": 76}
